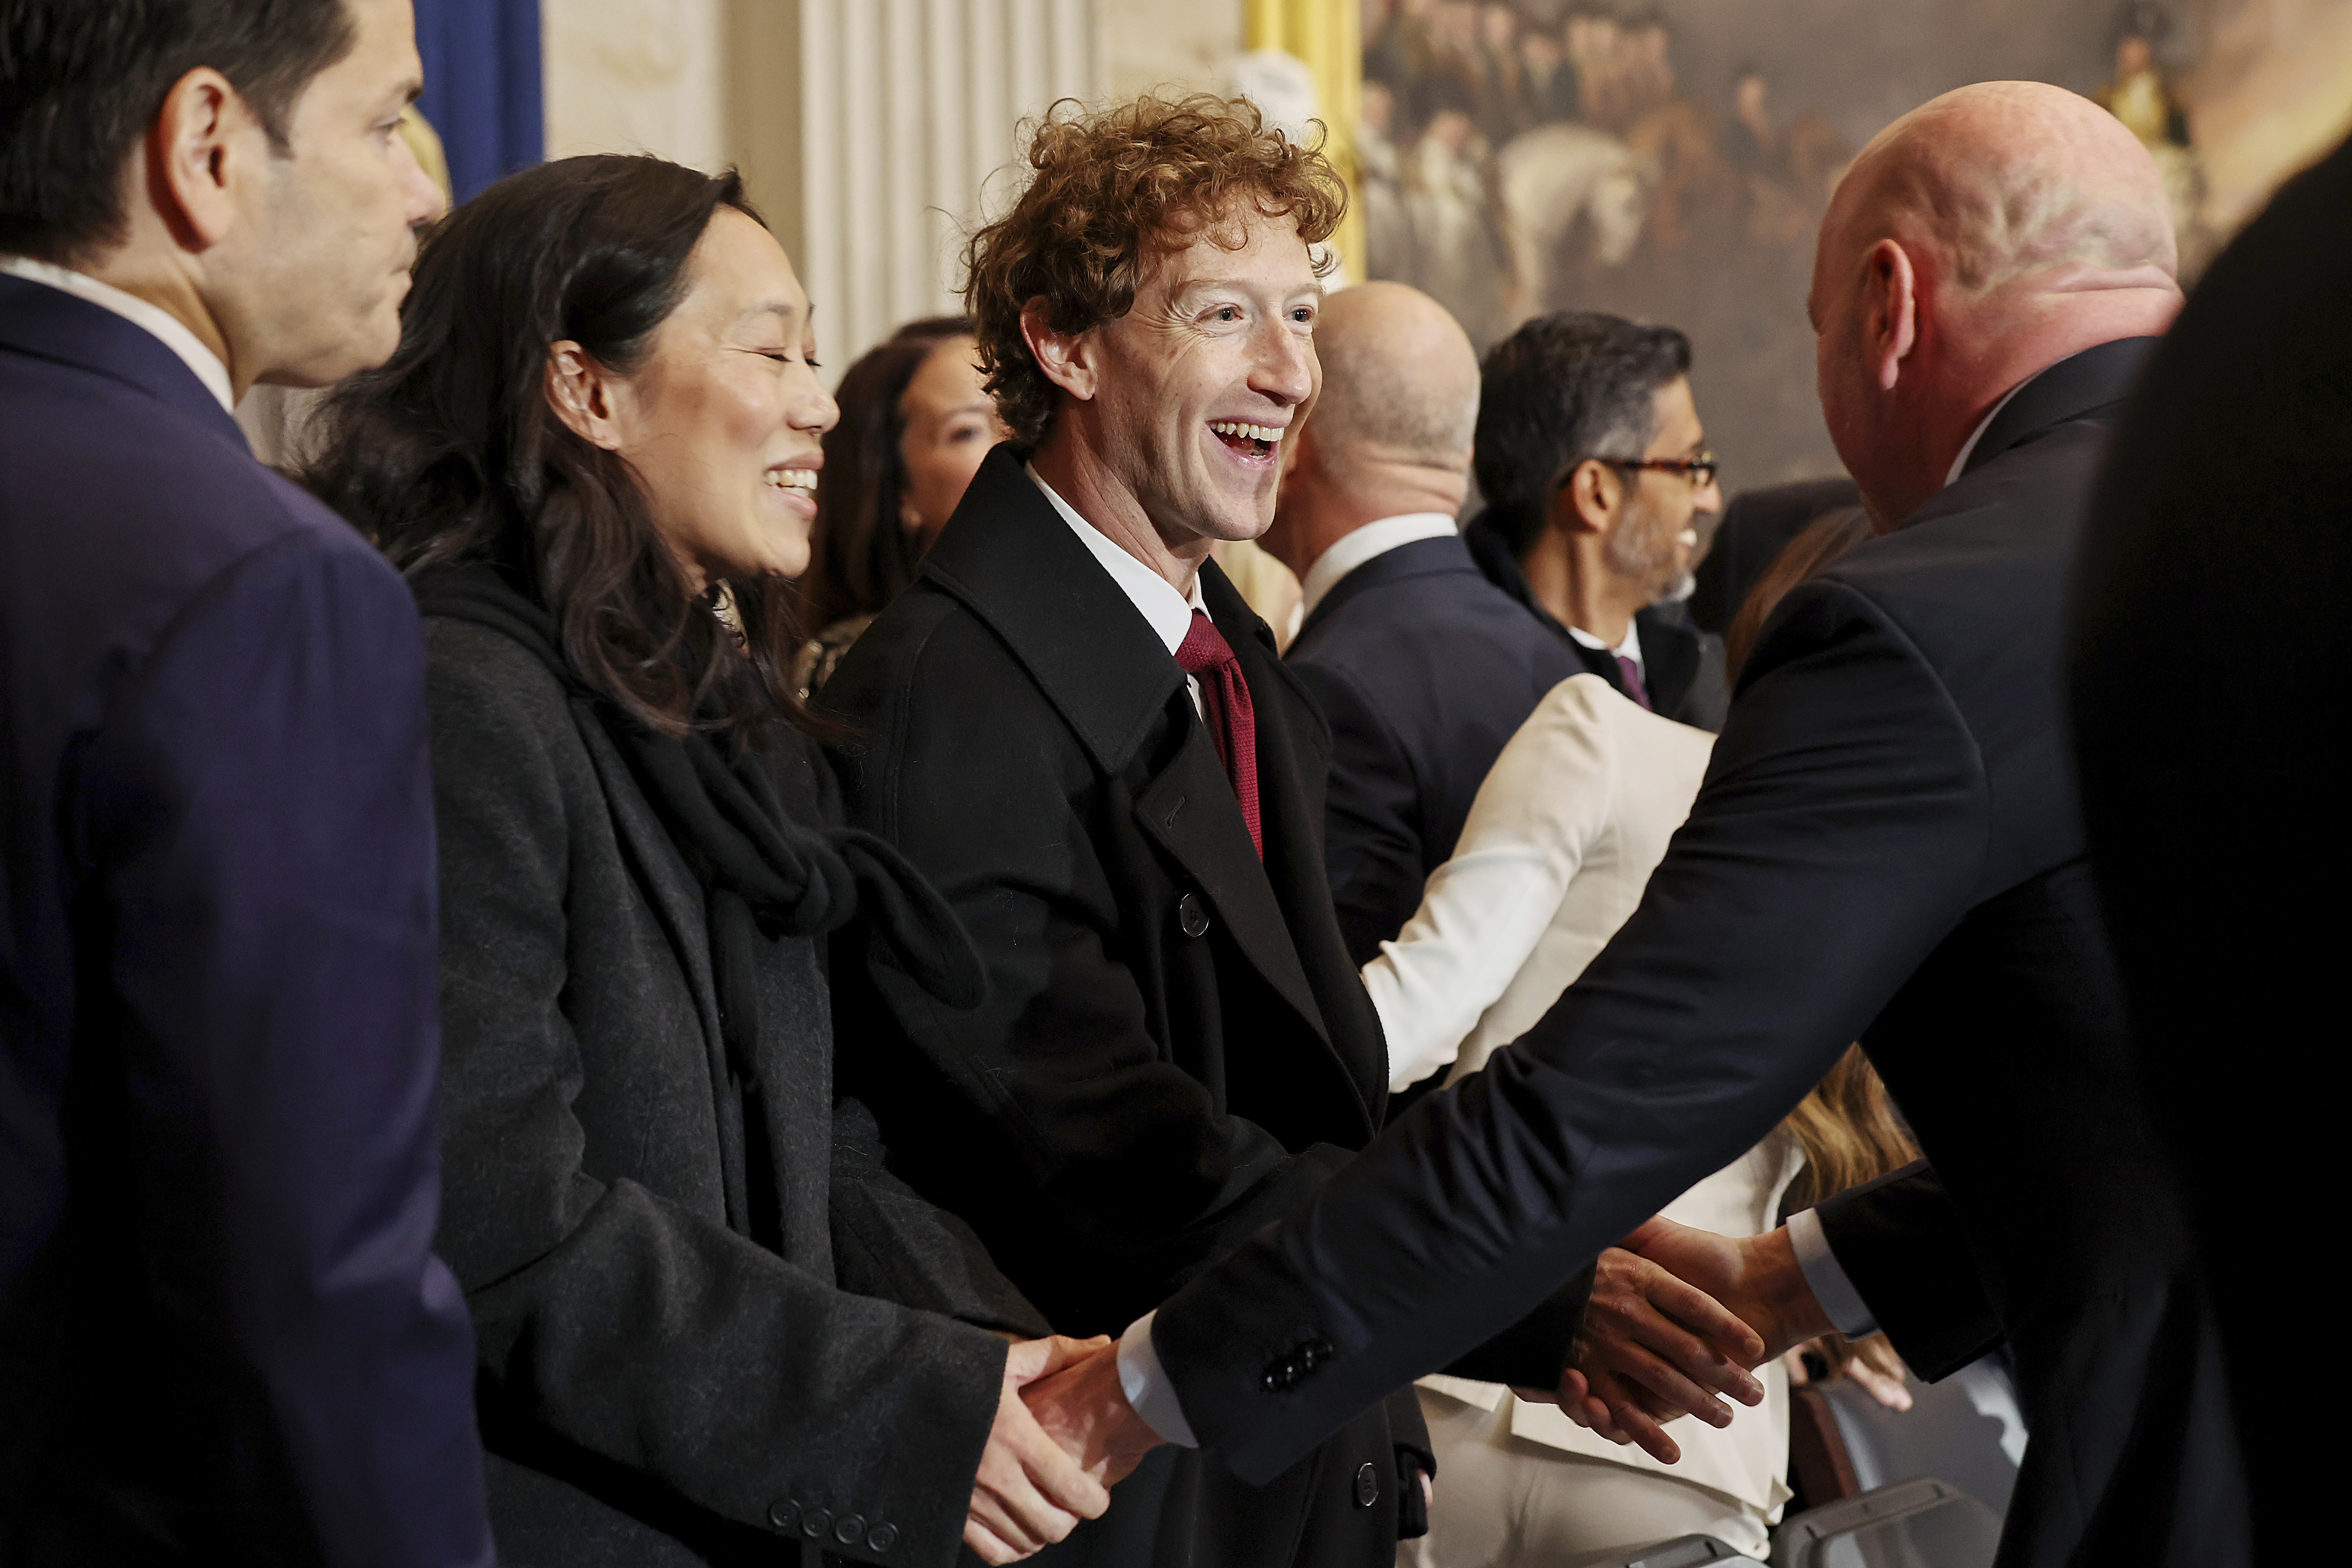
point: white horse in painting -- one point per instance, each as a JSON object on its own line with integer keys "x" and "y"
{"x": 1550, "y": 177}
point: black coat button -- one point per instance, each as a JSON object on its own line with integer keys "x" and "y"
{"x": 881, "y": 1538}
{"x": 1368, "y": 1485}
{"x": 1192, "y": 914}
{"x": 816, "y": 1522}
{"x": 783, "y": 1513}
{"x": 851, "y": 1527}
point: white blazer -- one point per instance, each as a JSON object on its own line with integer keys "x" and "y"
{"x": 1562, "y": 838}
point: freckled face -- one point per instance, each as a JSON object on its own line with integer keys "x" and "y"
{"x": 722, "y": 421}
{"x": 1204, "y": 378}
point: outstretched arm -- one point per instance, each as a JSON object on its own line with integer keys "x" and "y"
{"x": 1836, "y": 841}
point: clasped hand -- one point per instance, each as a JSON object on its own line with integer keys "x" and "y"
{"x": 1677, "y": 1319}
{"x": 1063, "y": 1434}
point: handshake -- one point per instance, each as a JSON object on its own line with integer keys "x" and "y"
{"x": 1677, "y": 1319}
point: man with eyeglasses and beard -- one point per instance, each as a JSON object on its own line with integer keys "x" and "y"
{"x": 1594, "y": 467}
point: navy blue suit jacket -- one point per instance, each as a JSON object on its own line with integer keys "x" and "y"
{"x": 1887, "y": 847}
{"x": 222, "y": 1333}
{"x": 1425, "y": 669}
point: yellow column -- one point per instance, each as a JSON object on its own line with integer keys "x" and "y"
{"x": 1327, "y": 36}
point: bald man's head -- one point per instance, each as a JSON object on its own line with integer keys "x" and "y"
{"x": 2011, "y": 180}
{"x": 1976, "y": 241}
{"x": 1391, "y": 431}
{"x": 1400, "y": 378}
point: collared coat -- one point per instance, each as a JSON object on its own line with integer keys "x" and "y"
{"x": 694, "y": 1283}
{"x": 1177, "y": 1050}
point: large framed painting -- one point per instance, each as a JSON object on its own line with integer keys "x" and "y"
{"x": 1670, "y": 160}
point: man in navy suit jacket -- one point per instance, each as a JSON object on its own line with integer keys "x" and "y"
{"x": 1423, "y": 666}
{"x": 222, "y": 1333}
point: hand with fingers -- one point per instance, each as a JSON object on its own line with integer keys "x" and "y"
{"x": 1677, "y": 1317}
{"x": 1085, "y": 1408}
{"x": 1030, "y": 1493}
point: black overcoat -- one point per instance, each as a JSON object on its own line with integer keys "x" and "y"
{"x": 673, "y": 1367}
{"x": 1887, "y": 847}
{"x": 1176, "y": 1049}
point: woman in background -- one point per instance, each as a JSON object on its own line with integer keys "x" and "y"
{"x": 914, "y": 424}
{"x": 1554, "y": 856}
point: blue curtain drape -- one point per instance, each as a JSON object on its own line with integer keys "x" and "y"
{"x": 482, "y": 86}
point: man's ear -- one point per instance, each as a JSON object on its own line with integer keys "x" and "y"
{"x": 1891, "y": 320}
{"x": 203, "y": 146}
{"x": 580, "y": 390}
{"x": 1063, "y": 356}
{"x": 1588, "y": 502}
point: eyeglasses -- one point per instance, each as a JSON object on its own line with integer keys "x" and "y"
{"x": 1700, "y": 470}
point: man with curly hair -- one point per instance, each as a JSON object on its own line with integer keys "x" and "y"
{"x": 1075, "y": 726}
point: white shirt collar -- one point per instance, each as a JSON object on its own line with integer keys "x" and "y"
{"x": 1168, "y": 612}
{"x": 1629, "y": 648}
{"x": 1374, "y": 540}
{"x": 137, "y": 311}
{"x": 1969, "y": 446}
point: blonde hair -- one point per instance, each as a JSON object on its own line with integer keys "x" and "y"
{"x": 1849, "y": 1132}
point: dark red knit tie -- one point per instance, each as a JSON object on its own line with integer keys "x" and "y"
{"x": 1630, "y": 674}
{"x": 1208, "y": 658}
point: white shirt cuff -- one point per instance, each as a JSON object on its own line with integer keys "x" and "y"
{"x": 1831, "y": 1288}
{"x": 1145, "y": 1385}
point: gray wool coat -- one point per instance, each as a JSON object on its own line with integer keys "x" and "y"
{"x": 671, "y": 1372}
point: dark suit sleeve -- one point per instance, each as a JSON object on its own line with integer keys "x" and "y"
{"x": 1372, "y": 840}
{"x": 1900, "y": 1242}
{"x": 1835, "y": 842}
{"x": 1142, "y": 1173}
{"x": 619, "y": 1321}
{"x": 263, "y": 814}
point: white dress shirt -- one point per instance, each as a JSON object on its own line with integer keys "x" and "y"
{"x": 1366, "y": 544}
{"x": 1166, "y": 611}
{"x": 1629, "y": 648}
{"x": 1969, "y": 446}
{"x": 174, "y": 332}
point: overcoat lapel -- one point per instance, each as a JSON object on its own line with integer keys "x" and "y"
{"x": 1010, "y": 559}
{"x": 1189, "y": 810}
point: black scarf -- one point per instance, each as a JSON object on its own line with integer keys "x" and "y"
{"x": 765, "y": 875}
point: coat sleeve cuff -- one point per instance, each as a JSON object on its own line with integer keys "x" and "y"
{"x": 1830, "y": 1285}
{"x": 1145, "y": 1382}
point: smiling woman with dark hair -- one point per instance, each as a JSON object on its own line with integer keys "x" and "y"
{"x": 690, "y": 1275}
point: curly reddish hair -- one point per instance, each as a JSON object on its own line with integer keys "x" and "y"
{"x": 1113, "y": 191}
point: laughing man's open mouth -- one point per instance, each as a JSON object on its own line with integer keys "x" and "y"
{"x": 1250, "y": 440}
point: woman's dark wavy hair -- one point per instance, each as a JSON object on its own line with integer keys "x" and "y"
{"x": 862, "y": 556}
{"x": 450, "y": 452}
